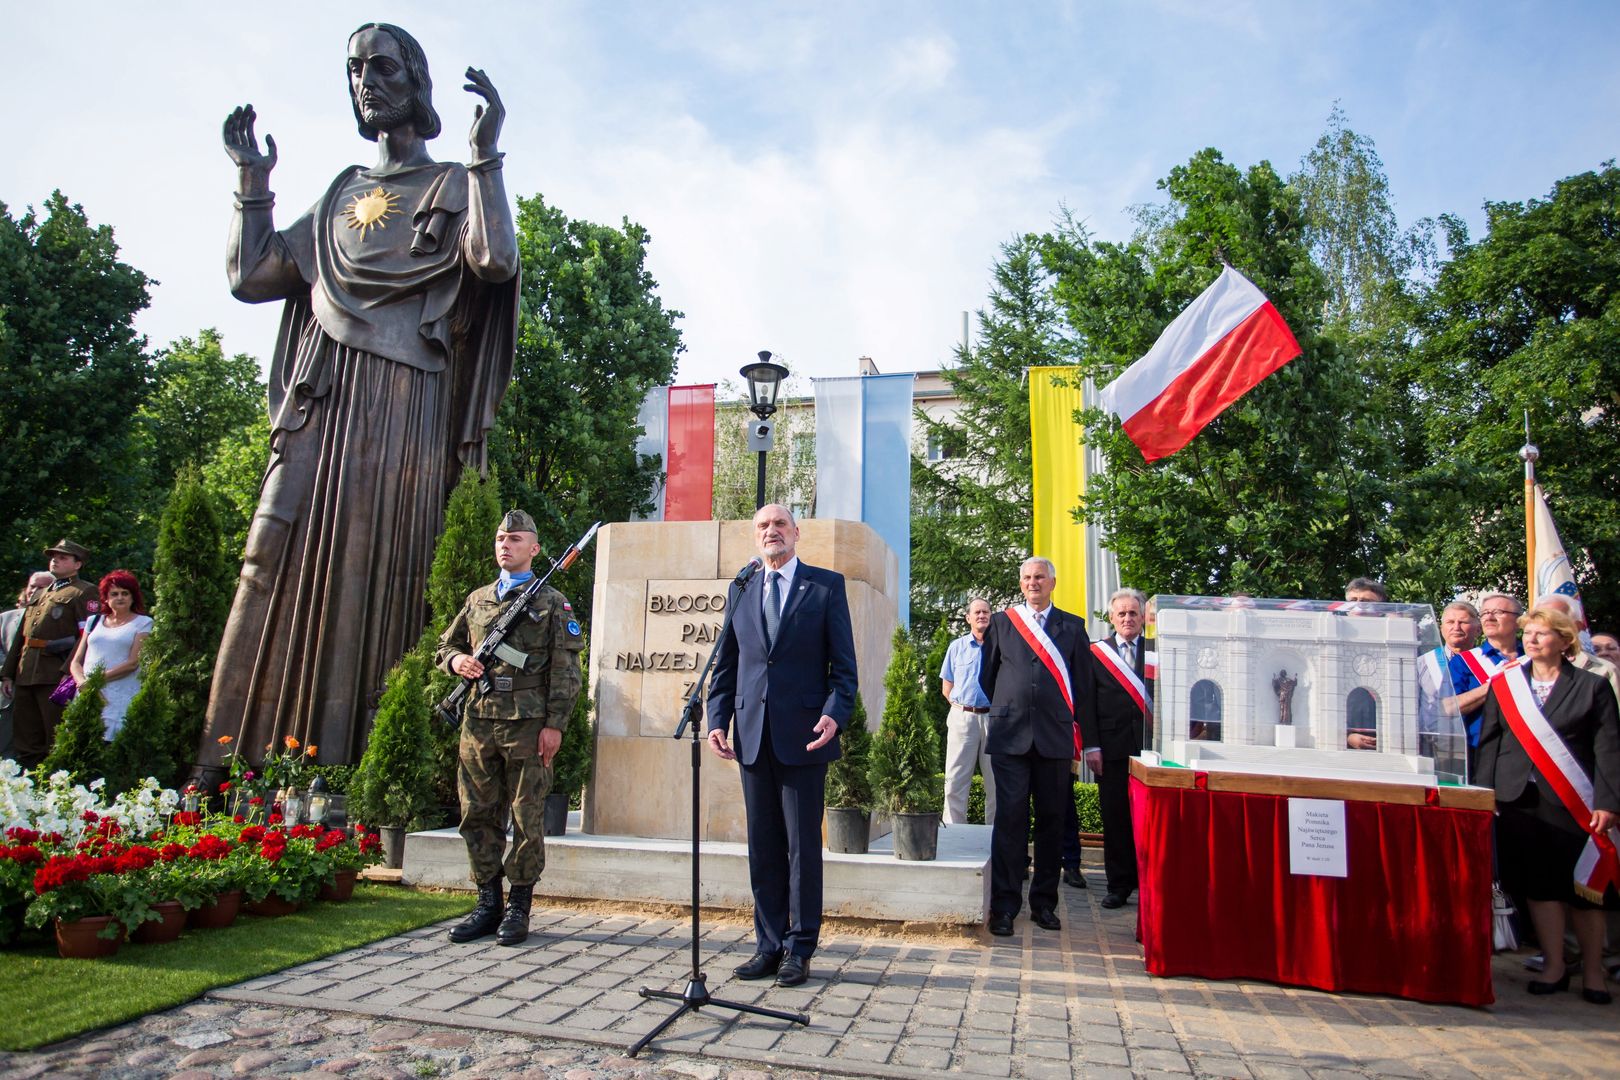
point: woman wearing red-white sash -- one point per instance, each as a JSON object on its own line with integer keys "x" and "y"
{"x": 1550, "y": 745}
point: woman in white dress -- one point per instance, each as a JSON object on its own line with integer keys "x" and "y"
{"x": 113, "y": 643}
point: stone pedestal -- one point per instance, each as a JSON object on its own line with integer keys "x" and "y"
{"x": 658, "y": 605}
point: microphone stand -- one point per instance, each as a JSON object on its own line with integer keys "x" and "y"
{"x": 696, "y": 994}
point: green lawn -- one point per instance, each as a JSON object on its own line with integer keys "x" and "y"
{"x": 46, "y": 999}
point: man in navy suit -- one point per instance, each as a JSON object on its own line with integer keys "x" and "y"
{"x": 1123, "y": 703}
{"x": 784, "y": 680}
{"x": 1036, "y": 671}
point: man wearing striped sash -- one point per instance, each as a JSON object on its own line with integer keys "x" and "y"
{"x": 1124, "y": 706}
{"x": 1036, "y": 672}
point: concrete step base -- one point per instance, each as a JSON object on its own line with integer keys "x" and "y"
{"x": 953, "y": 888}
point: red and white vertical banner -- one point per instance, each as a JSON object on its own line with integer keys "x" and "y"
{"x": 678, "y": 426}
{"x": 1213, "y": 353}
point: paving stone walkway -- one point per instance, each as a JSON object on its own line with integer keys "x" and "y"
{"x": 1037, "y": 1005}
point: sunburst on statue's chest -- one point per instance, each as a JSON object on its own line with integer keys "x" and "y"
{"x": 371, "y": 209}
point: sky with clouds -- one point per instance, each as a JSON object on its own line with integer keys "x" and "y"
{"x": 824, "y": 180}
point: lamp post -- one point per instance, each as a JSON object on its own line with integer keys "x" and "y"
{"x": 764, "y": 382}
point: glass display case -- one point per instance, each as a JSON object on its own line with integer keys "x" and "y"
{"x": 1320, "y": 688}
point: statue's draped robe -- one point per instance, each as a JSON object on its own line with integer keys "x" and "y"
{"x": 388, "y": 369}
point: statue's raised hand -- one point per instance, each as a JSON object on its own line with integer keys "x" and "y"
{"x": 487, "y": 118}
{"x": 243, "y": 146}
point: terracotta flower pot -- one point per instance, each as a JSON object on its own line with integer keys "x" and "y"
{"x": 219, "y": 914}
{"x": 272, "y": 905}
{"x": 342, "y": 886}
{"x": 81, "y": 940}
{"x": 165, "y": 929}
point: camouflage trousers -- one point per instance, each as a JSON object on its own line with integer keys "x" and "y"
{"x": 501, "y": 770}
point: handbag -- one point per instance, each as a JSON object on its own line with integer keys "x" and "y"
{"x": 65, "y": 691}
{"x": 1502, "y": 935}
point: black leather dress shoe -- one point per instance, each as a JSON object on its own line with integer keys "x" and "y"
{"x": 794, "y": 970}
{"x": 1114, "y": 900}
{"x": 762, "y": 965}
{"x": 1071, "y": 876}
{"x": 1046, "y": 919}
{"x": 1001, "y": 925}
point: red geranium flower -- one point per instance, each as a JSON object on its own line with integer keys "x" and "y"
{"x": 171, "y": 852}
{"x": 276, "y": 819}
{"x": 237, "y": 819}
{"x": 255, "y": 801}
{"x": 226, "y": 786}
{"x": 19, "y": 835}
{"x": 252, "y": 834}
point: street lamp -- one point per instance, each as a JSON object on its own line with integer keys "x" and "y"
{"x": 764, "y": 382}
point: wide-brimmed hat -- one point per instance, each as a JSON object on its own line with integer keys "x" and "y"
{"x": 68, "y": 547}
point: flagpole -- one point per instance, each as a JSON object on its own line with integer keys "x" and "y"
{"x": 1528, "y": 453}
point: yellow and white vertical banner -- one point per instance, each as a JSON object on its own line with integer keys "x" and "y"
{"x": 1059, "y": 481}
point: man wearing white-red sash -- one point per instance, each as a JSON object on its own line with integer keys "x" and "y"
{"x": 1036, "y": 671}
{"x": 1124, "y": 704}
{"x": 1550, "y": 746}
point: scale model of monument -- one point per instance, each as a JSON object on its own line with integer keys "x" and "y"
{"x": 1278, "y": 686}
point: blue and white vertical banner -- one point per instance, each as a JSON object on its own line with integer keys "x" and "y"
{"x": 654, "y": 421}
{"x": 863, "y": 461}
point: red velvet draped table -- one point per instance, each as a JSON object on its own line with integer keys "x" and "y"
{"x": 1217, "y": 900}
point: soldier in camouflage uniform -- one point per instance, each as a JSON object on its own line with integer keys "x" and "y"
{"x": 510, "y": 735}
{"x": 46, "y": 637}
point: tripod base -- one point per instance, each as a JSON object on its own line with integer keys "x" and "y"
{"x": 695, "y": 997}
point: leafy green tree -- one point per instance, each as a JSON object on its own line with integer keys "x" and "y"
{"x": 1526, "y": 318}
{"x": 849, "y": 781}
{"x": 192, "y": 586}
{"x": 144, "y": 745}
{"x": 593, "y": 338}
{"x": 79, "y": 746}
{"x": 1280, "y": 495}
{"x": 199, "y": 397}
{"x": 395, "y": 784}
{"x": 72, "y": 373}
{"x": 232, "y": 477}
{"x": 905, "y": 755}
{"x": 971, "y": 523}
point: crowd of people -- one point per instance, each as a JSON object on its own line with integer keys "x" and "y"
{"x": 62, "y": 631}
{"x": 1031, "y": 696}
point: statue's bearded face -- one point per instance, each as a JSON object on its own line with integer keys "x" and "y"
{"x": 382, "y": 86}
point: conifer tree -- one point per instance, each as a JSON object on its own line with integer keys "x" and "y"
{"x": 463, "y": 559}
{"x": 394, "y": 784}
{"x": 144, "y": 745}
{"x": 192, "y": 585}
{"x": 905, "y": 755}
{"x": 849, "y": 783}
{"x": 80, "y": 748}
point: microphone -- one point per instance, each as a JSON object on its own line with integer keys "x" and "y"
{"x": 747, "y": 572}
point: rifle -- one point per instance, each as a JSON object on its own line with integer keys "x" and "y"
{"x": 494, "y": 644}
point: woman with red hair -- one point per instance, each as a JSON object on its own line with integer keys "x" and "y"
{"x": 112, "y": 641}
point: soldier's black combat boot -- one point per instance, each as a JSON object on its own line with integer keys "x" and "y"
{"x": 515, "y": 927}
{"x": 485, "y": 917}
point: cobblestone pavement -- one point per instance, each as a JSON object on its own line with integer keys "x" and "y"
{"x": 1036, "y": 1005}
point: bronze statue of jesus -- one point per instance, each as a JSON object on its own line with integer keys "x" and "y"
{"x": 400, "y": 313}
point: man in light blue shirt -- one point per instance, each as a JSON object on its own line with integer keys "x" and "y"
{"x": 965, "y": 728}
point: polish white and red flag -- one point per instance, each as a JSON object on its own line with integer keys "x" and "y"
{"x": 1214, "y": 352}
